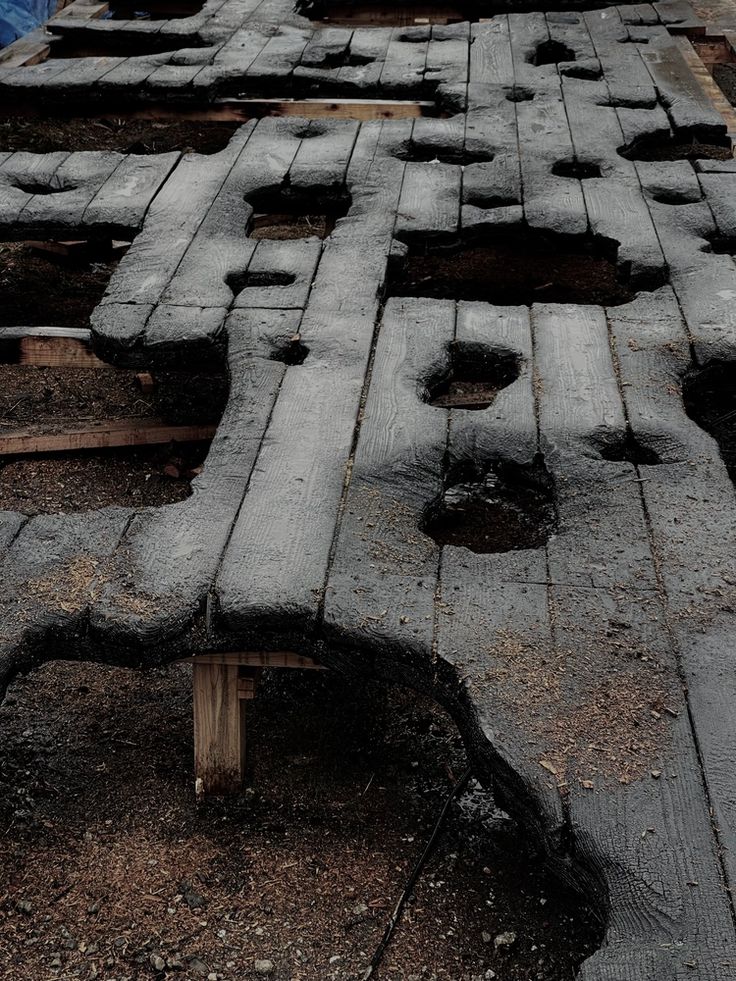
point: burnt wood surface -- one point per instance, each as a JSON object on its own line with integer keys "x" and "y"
{"x": 587, "y": 658}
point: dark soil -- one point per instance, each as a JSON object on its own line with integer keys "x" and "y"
{"x": 96, "y": 44}
{"x": 292, "y": 352}
{"x": 630, "y": 450}
{"x": 577, "y": 169}
{"x": 154, "y": 9}
{"x": 106, "y": 863}
{"x": 523, "y": 269}
{"x": 40, "y": 291}
{"x": 241, "y": 281}
{"x": 284, "y": 214}
{"x": 475, "y": 378}
{"x": 551, "y": 53}
{"x": 283, "y": 227}
{"x": 725, "y": 78}
{"x": 506, "y": 509}
{"x": 710, "y": 401}
{"x": 420, "y": 153}
{"x": 48, "y": 400}
{"x": 465, "y": 394}
{"x": 125, "y": 135}
{"x": 147, "y": 477}
{"x": 373, "y": 14}
{"x": 670, "y": 149}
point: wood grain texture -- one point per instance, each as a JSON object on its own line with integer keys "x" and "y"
{"x": 430, "y": 200}
{"x": 219, "y": 728}
{"x": 381, "y": 553}
{"x": 101, "y": 434}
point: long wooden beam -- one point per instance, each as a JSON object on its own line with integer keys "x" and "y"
{"x": 243, "y": 110}
{"x": 259, "y": 659}
{"x": 708, "y": 84}
{"x": 102, "y": 434}
{"x": 54, "y": 352}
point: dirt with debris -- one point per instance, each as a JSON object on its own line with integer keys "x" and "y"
{"x": 725, "y": 78}
{"x": 44, "y": 291}
{"x": 710, "y": 400}
{"x": 146, "y": 477}
{"x": 286, "y": 227}
{"x": 656, "y": 148}
{"x": 499, "y": 511}
{"x": 519, "y": 270}
{"x": 46, "y": 400}
{"x": 109, "y": 869}
{"x": 45, "y": 134}
{"x": 475, "y": 377}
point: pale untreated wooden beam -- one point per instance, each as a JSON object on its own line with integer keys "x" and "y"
{"x": 708, "y": 84}
{"x": 242, "y": 110}
{"x": 219, "y": 729}
{"x": 29, "y": 50}
{"x": 102, "y": 434}
{"x": 220, "y": 681}
{"x": 259, "y": 659}
{"x": 56, "y": 352}
{"x": 79, "y": 9}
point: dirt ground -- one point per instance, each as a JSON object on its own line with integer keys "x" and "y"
{"x": 42, "y": 291}
{"x": 511, "y": 272}
{"x": 125, "y": 135}
{"x": 108, "y": 869}
{"x": 725, "y": 77}
{"x": 63, "y": 482}
{"x": 47, "y": 400}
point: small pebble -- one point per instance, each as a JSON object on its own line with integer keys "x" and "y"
{"x": 264, "y": 967}
{"x": 507, "y": 939}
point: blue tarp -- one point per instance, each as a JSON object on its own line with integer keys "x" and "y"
{"x": 18, "y": 17}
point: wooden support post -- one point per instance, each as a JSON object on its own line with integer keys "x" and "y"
{"x": 219, "y": 728}
{"x": 223, "y": 683}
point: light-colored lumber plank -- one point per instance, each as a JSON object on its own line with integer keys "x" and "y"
{"x": 219, "y": 729}
{"x": 29, "y": 50}
{"x": 101, "y": 435}
{"x": 57, "y": 352}
{"x": 260, "y": 659}
{"x": 707, "y": 83}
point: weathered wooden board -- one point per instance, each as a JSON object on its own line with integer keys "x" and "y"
{"x": 592, "y": 675}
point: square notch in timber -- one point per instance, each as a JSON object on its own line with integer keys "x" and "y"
{"x": 82, "y": 42}
{"x": 709, "y": 394}
{"x": 153, "y": 9}
{"x": 473, "y": 376}
{"x": 372, "y": 13}
{"x": 78, "y": 434}
{"x": 287, "y": 214}
{"x": 515, "y": 267}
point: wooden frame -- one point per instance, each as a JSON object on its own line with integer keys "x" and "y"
{"x": 222, "y": 684}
